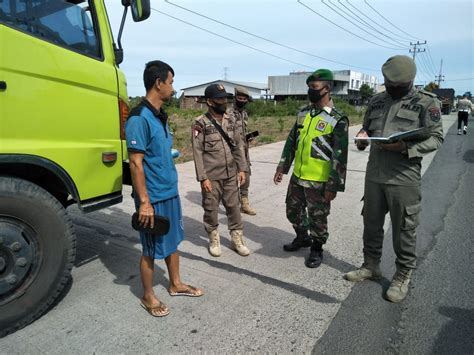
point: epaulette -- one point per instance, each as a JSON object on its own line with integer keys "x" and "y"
{"x": 378, "y": 97}
{"x": 338, "y": 115}
{"x": 427, "y": 93}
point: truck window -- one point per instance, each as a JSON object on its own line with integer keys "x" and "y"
{"x": 65, "y": 23}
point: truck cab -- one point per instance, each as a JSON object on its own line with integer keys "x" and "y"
{"x": 63, "y": 105}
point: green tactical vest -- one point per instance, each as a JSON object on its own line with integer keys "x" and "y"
{"x": 314, "y": 152}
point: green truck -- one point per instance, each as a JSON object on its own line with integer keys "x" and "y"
{"x": 63, "y": 106}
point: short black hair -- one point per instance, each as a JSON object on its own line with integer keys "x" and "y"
{"x": 155, "y": 69}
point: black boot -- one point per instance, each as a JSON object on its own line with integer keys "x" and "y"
{"x": 315, "y": 256}
{"x": 302, "y": 240}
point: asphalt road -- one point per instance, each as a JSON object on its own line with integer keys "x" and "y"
{"x": 266, "y": 302}
{"x": 438, "y": 315}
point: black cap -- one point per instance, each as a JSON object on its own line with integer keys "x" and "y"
{"x": 215, "y": 91}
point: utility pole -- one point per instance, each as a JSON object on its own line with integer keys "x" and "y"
{"x": 415, "y": 49}
{"x": 226, "y": 69}
{"x": 440, "y": 77}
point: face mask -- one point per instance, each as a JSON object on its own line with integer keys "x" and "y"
{"x": 397, "y": 92}
{"x": 220, "y": 109}
{"x": 315, "y": 95}
{"x": 240, "y": 104}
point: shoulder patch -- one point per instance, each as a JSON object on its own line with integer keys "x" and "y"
{"x": 435, "y": 114}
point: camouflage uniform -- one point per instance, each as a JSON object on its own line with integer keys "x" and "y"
{"x": 306, "y": 207}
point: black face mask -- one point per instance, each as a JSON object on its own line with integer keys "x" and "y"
{"x": 220, "y": 109}
{"x": 397, "y": 92}
{"x": 315, "y": 95}
{"x": 240, "y": 104}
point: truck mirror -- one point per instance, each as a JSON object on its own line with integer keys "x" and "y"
{"x": 140, "y": 9}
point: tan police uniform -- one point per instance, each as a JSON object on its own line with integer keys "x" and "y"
{"x": 216, "y": 161}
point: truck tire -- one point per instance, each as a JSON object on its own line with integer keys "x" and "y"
{"x": 37, "y": 251}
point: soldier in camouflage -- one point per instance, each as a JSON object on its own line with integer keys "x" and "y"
{"x": 241, "y": 98}
{"x": 393, "y": 176}
{"x": 318, "y": 144}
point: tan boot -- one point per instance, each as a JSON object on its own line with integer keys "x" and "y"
{"x": 214, "y": 243}
{"x": 237, "y": 242}
{"x": 245, "y": 207}
{"x": 399, "y": 287}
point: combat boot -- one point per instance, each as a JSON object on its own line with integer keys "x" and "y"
{"x": 214, "y": 243}
{"x": 399, "y": 287}
{"x": 236, "y": 237}
{"x": 368, "y": 271}
{"x": 245, "y": 207}
{"x": 302, "y": 240}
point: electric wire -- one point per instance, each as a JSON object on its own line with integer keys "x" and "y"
{"x": 367, "y": 23}
{"x": 342, "y": 28}
{"x": 378, "y": 24}
{"x": 232, "y": 40}
{"x": 386, "y": 19}
{"x": 358, "y": 26}
{"x": 264, "y": 38}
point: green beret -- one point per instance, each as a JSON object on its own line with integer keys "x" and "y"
{"x": 321, "y": 75}
{"x": 399, "y": 69}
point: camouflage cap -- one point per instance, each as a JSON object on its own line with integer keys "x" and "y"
{"x": 215, "y": 91}
{"x": 399, "y": 69}
{"x": 239, "y": 90}
{"x": 321, "y": 75}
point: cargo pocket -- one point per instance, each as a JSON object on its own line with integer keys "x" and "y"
{"x": 411, "y": 217}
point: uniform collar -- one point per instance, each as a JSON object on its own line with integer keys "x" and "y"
{"x": 328, "y": 108}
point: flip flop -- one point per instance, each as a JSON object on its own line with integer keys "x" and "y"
{"x": 159, "y": 307}
{"x": 190, "y": 291}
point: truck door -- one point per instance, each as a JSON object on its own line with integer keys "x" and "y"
{"x": 58, "y": 89}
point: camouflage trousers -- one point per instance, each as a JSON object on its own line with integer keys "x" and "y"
{"x": 307, "y": 209}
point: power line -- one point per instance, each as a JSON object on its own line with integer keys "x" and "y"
{"x": 367, "y": 23}
{"x": 265, "y": 39}
{"x": 460, "y": 79}
{"x": 428, "y": 65}
{"x": 342, "y": 28}
{"x": 398, "y": 28}
{"x": 232, "y": 40}
{"x": 357, "y": 25}
{"x": 378, "y": 24}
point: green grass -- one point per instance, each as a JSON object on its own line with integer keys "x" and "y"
{"x": 273, "y": 122}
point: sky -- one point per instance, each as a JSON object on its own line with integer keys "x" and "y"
{"x": 294, "y": 35}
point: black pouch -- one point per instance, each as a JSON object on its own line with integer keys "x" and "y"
{"x": 161, "y": 225}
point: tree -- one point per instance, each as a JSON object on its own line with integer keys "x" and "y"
{"x": 365, "y": 92}
{"x": 431, "y": 86}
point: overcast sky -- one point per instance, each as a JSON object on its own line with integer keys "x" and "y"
{"x": 198, "y": 56}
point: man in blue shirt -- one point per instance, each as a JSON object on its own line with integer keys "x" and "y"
{"x": 155, "y": 185}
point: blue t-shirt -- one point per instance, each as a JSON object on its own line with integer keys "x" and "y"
{"x": 147, "y": 132}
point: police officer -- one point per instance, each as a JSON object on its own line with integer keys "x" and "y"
{"x": 220, "y": 163}
{"x": 241, "y": 98}
{"x": 392, "y": 180}
{"x": 318, "y": 144}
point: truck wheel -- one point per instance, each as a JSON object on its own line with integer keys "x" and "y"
{"x": 37, "y": 251}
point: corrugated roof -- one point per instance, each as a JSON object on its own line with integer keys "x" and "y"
{"x": 260, "y": 86}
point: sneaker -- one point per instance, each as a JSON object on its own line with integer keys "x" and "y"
{"x": 365, "y": 272}
{"x": 465, "y": 130}
{"x": 459, "y": 132}
{"x": 399, "y": 287}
